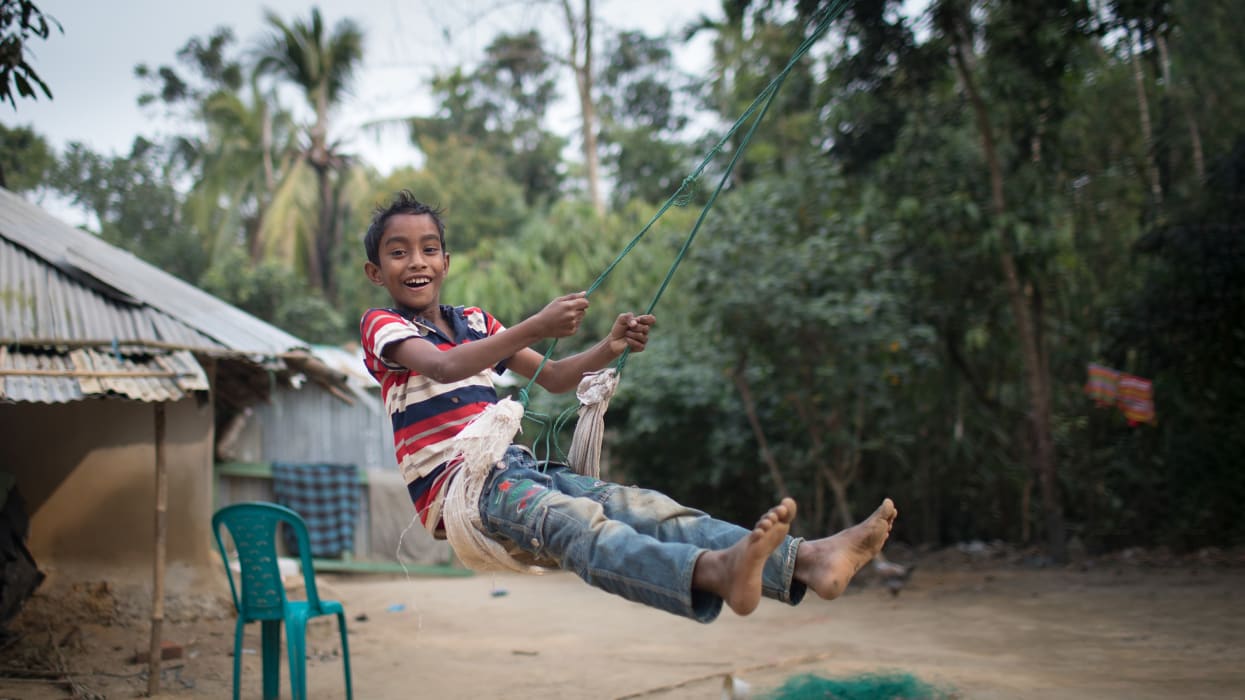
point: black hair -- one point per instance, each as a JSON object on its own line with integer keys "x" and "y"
{"x": 403, "y": 203}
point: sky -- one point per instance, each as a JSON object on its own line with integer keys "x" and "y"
{"x": 90, "y": 67}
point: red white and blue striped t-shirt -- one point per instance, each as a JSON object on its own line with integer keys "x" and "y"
{"x": 426, "y": 413}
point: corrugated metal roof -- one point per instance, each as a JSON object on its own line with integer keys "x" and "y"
{"x": 40, "y": 305}
{"x": 80, "y": 318}
{"x": 121, "y": 276}
{"x": 51, "y": 377}
{"x": 348, "y": 361}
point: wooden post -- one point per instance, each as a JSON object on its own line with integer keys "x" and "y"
{"x": 157, "y": 588}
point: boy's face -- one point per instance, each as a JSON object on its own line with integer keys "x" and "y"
{"x": 413, "y": 264}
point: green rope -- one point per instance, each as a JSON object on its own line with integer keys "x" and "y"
{"x": 682, "y": 196}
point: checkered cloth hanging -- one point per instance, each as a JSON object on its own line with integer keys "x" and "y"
{"x": 327, "y": 498}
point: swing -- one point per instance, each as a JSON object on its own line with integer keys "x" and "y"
{"x": 481, "y": 444}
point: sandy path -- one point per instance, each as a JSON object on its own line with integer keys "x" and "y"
{"x": 1008, "y": 633}
{"x": 997, "y": 635}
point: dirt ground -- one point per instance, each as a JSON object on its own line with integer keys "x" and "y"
{"x": 972, "y": 626}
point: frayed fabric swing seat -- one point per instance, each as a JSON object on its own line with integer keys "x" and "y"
{"x": 480, "y": 447}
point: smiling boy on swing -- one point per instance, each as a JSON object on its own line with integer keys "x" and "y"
{"x": 435, "y": 365}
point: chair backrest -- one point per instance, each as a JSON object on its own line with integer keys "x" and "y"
{"x": 253, "y": 529}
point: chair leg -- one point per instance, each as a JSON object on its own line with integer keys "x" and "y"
{"x": 272, "y": 658}
{"x": 237, "y": 658}
{"x": 296, "y": 644}
{"x": 341, "y": 625}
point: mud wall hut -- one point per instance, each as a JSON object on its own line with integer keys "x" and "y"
{"x": 109, "y": 369}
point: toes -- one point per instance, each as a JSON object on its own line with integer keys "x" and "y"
{"x": 887, "y": 510}
{"x": 789, "y": 505}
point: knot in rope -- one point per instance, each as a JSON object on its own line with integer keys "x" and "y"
{"x": 683, "y": 196}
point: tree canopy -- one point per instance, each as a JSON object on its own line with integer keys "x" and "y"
{"x": 948, "y": 213}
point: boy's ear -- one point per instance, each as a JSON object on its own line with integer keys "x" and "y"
{"x": 447, "y": 261}
{"x": 373, "y": 273}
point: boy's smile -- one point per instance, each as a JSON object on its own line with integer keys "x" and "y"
{"x": 413, "y": 263}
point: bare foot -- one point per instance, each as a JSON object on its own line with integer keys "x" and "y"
{"x": 828, "y": 564}
{"x": 734, "y": 573}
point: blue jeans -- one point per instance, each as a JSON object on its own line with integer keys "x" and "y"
{"x": 633, "y": 542}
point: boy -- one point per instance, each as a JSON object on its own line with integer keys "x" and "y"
{"x": 434, "y": 364}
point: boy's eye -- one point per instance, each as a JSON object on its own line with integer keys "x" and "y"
{"x": 431, "y": 250}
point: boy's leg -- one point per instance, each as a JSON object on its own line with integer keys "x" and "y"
{"x": 657, "y": 515}
{"x": 828, "y": 564}
{"x": 734, "y": 573}
{"x": 524, "y": 505}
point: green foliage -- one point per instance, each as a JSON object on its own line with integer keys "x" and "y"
{"x": 810, "y": 303}
{"x": 304, "y": 54}
{"x": 275, "y": 294}
{"x": 136, "y": 204}
{"x": 850, "y": 275}
{"x": 642, "y": 118}
{"x": 565, "y": 251}
{"x": 676, "y": 426}
{"x": 321, "y": 64}
{"x": 481, "y": 202}
{"x": 214, "y": 71}
{"x": 20, "y": 21}
{"x": 499, "y": 108}
{"x": 1185, "y": 328}
{"x": 25, "y": 158}
{"x": 751, "y": 46}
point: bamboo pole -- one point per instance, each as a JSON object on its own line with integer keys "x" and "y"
{"x": 214, "y": 351}
{"x": 145, "y": 374}
{"x": 157, "y": 588}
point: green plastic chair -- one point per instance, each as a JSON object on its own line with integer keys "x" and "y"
{"x": 253, "y": 529}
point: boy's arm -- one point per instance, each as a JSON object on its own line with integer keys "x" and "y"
{"x": 559, "y": 376}
{"x": 558, "y": 319}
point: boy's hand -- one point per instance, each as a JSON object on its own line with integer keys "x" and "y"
{"x": 562, "y": 316}
{"x": 630, "y": 332}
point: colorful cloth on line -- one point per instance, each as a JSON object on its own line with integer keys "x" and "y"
{"x": 1137, "y": 399}
{"x": 1103, "y": 384}
{"x": 1133, "y": 395}
{"x": 327, "y": 498}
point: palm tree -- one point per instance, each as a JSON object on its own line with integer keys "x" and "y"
{"x": 322, "y": 67}
{"x": 248, "y": 149}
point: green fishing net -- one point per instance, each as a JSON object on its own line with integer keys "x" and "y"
{"x": 892, "y": 686}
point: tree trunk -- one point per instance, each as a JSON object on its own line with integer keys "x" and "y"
{"x": 265, "y": 141}
{"x": 839, "y": 489}
{"x": 1181, "y": 96}
{"x": 270, "y": 182}
{"x": 318, "y": 155}
{"x": 745, "y": 394}
{"x": 1027, "y": 323}
{"x": 326, "y": 239}
{"x": 587, "y": 108}
{"x": 1147, "y": 131}
{"x": 819, "y": 501}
